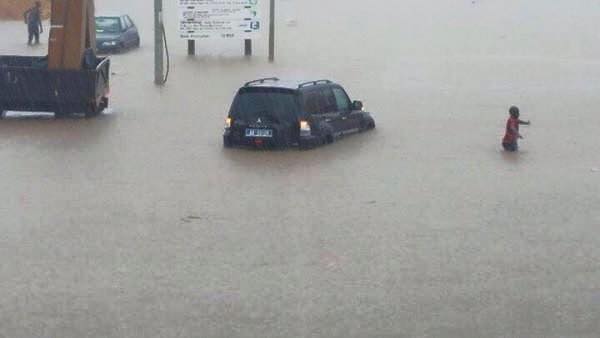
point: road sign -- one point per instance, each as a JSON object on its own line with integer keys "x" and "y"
{"x": 219, "y": 19}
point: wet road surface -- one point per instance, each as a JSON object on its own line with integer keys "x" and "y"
{"x": 139, "y": 224}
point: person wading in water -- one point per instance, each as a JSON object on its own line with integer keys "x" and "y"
{"x": 33, "y": 19}
{"x": 510, "y": 141}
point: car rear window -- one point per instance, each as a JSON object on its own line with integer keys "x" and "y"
{"x": 108, "y": 24}
{"x": 275, "y": 103}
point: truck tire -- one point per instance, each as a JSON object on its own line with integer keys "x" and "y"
{"x": 97, "y": 109}
{"x": 93, "y": 110}
{"x": 104, "y": 103}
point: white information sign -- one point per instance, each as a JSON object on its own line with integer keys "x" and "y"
{"x": 219, "y": 19}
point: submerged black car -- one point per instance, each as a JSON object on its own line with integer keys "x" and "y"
{"x": 273, "y": 113}
{"x": 116, "y": 33}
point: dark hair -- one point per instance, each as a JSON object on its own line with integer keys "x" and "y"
{"x": 514, "y": 111}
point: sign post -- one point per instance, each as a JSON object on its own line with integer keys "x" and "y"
{"x": 272, "y": 31}
{"x": 158, "y": 42}
{"x": 220, "y": 19}
{"x": 248, "y": 47}
{"x": 191, "y": 47}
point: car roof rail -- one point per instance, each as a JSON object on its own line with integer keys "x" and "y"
{"x": 314, "y": 83}
{"x": 261, "y": 81}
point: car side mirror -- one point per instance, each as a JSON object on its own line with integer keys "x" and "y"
{"x": 357, "y": 105}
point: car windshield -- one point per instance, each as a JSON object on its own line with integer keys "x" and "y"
{"x": 276, "y": 104}
{"x": 108, "y": 25}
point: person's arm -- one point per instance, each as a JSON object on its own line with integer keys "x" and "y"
{"x": 515, "y": 132}
{"x": 41, "y": 27}
{"x": 525, "y": 122}
{"x": 26, "y": 15}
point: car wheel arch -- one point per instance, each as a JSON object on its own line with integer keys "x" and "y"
{"x": 327, "y": 132}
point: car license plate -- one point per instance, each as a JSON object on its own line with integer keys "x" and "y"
{"x": 259, "y": 133}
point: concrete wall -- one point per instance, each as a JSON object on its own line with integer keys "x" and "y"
{"x": 13, "y": 9}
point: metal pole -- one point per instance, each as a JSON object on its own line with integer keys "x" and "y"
{"x": 272, "y": 32}
{"x": 158, "y": 43}
{"x": 191, "y": 47}
{"x": 248, "y": 47}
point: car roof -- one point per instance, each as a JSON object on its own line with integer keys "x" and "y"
{"x": 274, "y": 82}
{"x": 110, "y": 15}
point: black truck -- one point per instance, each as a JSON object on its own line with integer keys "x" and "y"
{"x": 270, "y": 113}
{"x": 26, "y": 84}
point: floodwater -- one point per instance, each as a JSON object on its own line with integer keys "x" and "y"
{"x": 139, "y": 224}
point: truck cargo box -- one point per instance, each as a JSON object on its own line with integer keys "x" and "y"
{"x": 26, "y": 84}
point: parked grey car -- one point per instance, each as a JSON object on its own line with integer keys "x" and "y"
{"x": 116, "y": 33}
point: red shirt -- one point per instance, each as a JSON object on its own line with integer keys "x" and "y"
{"x": 512, "y": 130}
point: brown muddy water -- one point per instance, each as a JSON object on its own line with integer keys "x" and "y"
{"x": 139, "y": 224}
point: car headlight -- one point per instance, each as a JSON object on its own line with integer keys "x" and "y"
{"x": 305, "y": 128}
{"x": 228, "y": 122}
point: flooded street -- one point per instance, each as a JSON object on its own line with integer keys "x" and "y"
{"x": 139, "y": 224}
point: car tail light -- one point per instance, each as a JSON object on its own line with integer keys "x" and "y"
{"x": 305, "y": 128}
